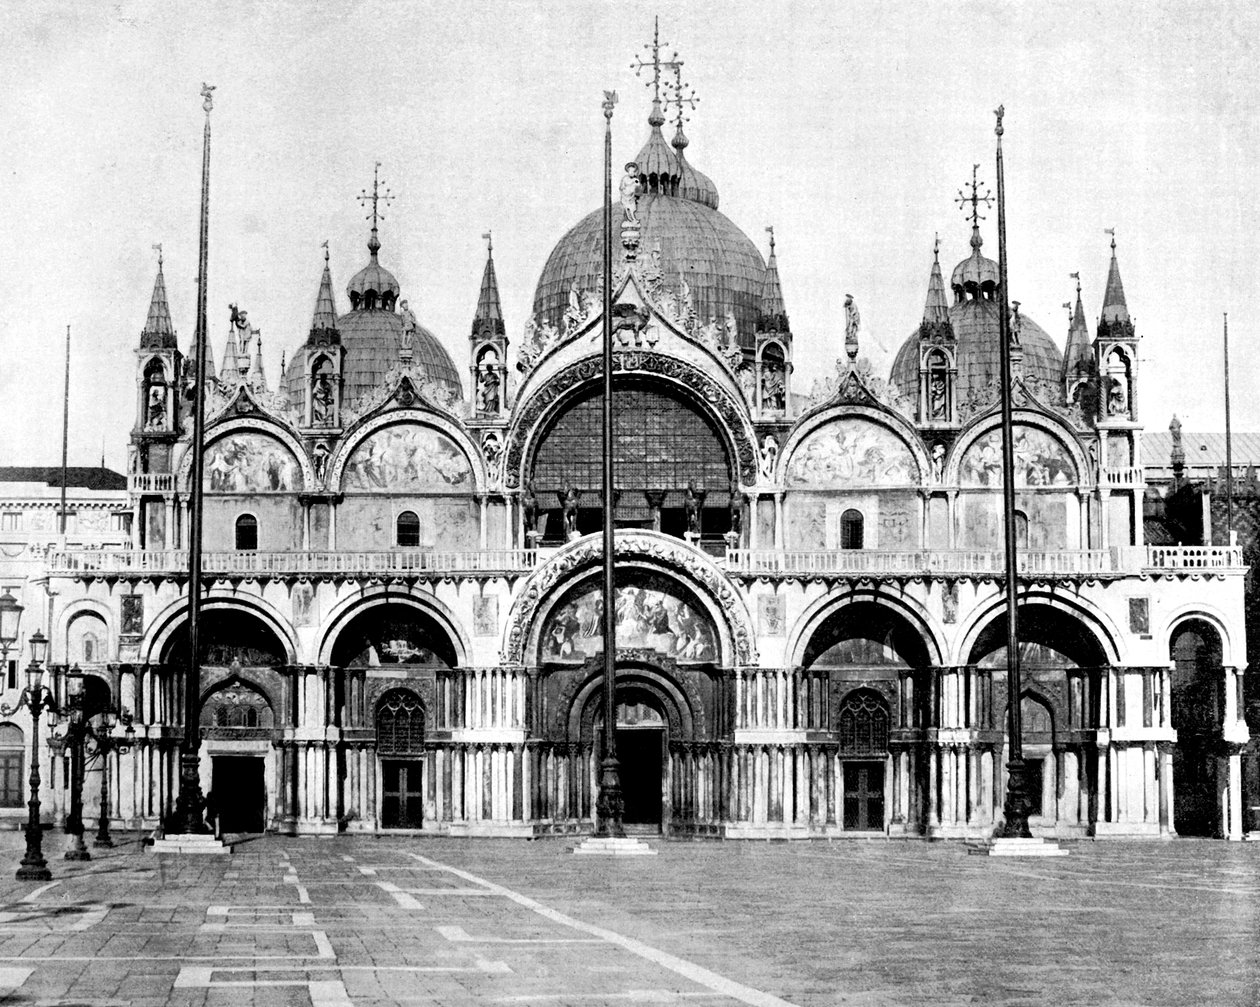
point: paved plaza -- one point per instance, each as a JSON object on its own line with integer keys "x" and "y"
{"x": 341, "y": 921}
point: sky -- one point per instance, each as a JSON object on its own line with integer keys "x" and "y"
{"x": 848, "y": 127}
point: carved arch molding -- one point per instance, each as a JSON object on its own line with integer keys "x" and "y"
{"x": 730, "y": 411}
{"x": 675, "y": 556}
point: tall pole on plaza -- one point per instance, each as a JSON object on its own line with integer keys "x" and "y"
{"x": 65, "y": 436}
{"x": 188, "y": 805}
{"x": 610, "y": 805}
{"x": 1229, "y": 449}
{"x": 1015, "y": 810}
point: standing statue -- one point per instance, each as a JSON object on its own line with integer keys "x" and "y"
{"x": 936, "y": 397}
{"x": 852, "y": 321}
{"x": 569, "y": 508}
{"x": 736, "y": 507}
{"x": 409, "y": 325}
{"x": 938, "y": 462}
{"x": 693, "y": 501}
{"x": 155, "y": 419}
{"x": 322, "y": 402}
{"x": 488, "y": 390}
{"x": 769, "y": 456}
{"x": 529, "y": 507}
{"x": 630, "y": 189}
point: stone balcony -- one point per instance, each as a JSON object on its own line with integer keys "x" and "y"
{"x": 792, "y": 563}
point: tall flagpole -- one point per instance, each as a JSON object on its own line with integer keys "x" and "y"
{"x": 65, "y": 436}
{"x": 189, "y": 803}
{"x": 611, "y": 805}
{"x": 1015, "y": 810}
{"x": 1229, "y": 449}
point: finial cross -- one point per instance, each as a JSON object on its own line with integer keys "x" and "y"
{"x": 376, "y": 197}
{"x": 975, "y": 199}
{"x": 489, "y": 243}
{"x": 640, "y": 64}
{"x": 158, "y": 248}
{"x": 684, "y": 94}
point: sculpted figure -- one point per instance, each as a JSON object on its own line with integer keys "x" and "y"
{"x": 529, "y": 507}
{"x": 693, "y": 500}
{"x": 852, "y": 322}
{"x": 769, "y": 456}
{"x": 409, "y": 325}
{"x": 569, "y": 508}
{"x": 630, "y": 188}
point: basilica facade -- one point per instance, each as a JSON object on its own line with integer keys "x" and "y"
{"x": 402, "y": 607}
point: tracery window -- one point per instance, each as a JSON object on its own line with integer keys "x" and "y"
{"x": 399, "y": 724}
{"x": 863, "y": 724}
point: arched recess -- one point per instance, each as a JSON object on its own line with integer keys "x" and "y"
{"x": 1208, "y": 617}
{"x": 87, "y": 638}
{"x": 170, "y": 626}
{"x": 1037, "y": 735}
{"x": 646, "y": 551}
{"x": 392, "y": 628}
{"x": 853, "y": 445}
{"x": 1197, "y": 707}
{"x": 457, "y": 456}
{"x": 638, "y": 682}
{"x": 1048, "y": 638}
{"x": 1047, "y": 454}
{"x": 248, "y": 455}
{"x": 900, "y": 610}
{"x": 228, "y": 634}
{"x": 722, "y": 407}
{"x": 865, "y": 634}
{"x": 237, "y": 704}
{"x": 1089, "y": 638}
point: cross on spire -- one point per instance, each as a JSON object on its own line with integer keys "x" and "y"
{"x": 684, "y": 94}
{"x": 975, "y": 199}
{"x": 158, "y": 248}
{"x": 489, "y": 242}
{"x": 640, "y": 64}
{"x": 376, "y": 197}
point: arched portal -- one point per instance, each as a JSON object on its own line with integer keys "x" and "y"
{"x": 391, "y": 633}
{"x": 237, "y": 722}
{"x": 1197, "y": 712}
{"x": 661, "y": 443}
{"x": 400, "y": 748}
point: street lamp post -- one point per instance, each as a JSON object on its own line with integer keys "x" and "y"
{"x": 107, "y": 742}
{"x": 35, "y": 698}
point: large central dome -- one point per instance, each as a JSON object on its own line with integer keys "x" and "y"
{"x": 678, "y": 214}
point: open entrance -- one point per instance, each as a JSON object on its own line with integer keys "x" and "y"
{"x": 1197, "y": 679}
{"x": 641, "y": 752}
{"x": 402, "y": 795}
{"x": 238, "y": 793}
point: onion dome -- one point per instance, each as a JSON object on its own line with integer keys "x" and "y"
{"x": 975, "y": 276}
{"x": 723, "y": 268}
{"x": 373, "y": 285}
{"x": 658, "y": 167}
{"x": 975, "y": 317}
{"x": 158, "y": 332}
{"x": 692, "y": 184}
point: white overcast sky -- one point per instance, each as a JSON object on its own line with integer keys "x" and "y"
{"x": 848, "y": 126}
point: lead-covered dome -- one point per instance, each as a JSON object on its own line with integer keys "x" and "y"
{"x": 678, "y": 213}
{"x": 975, "y": 319}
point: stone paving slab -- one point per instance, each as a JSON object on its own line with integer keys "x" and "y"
{"x": 364, "y": 921}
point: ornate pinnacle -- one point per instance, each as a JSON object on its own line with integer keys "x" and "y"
{"x": 680, "y": 98}
{"x": 376, "y": 197}
{"x": 975, "y": 199}
{"x": 158, "y": 248}
{"x": 489, "y": 243}
{"x": 1112, "y": 232}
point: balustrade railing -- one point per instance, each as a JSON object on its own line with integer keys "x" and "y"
{"x": 151, "y": 482}
{"x": 100, "y": 561}
{"x": 941, "y": 562}
{"x": 1131, "y": 475}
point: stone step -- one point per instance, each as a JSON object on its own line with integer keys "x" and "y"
{"x": 613, "y": 846}
{"x": 193, "y": 844}
{"x": 1003, "y": 847}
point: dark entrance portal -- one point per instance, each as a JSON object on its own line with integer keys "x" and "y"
{"x": 864, "y": 796}
{"x": 239, "y": 794}
{"x": 402, "y": 799}
{"x": 640, "y": 750}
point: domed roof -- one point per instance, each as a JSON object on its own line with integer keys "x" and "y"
{"x": 722, "y": 266}
{"x": 978, "y": 351}
{"x": 373, "y": 284}
{"x": 975, "y": 274}
{"x": 371, "y": 340}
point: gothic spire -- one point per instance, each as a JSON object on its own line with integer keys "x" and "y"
{"x": 324, "y": 319}
{"x": 1077, "y": 356}
{"x": 489, "y": 318}
{"x": 773, "y": 316}
{"x": 1114, "y": 308}
{"x": 936, "y": 307}
{"x": 232, "y": 367}
{"x": 158, "y": 331}
{"x": 257, "y": 377}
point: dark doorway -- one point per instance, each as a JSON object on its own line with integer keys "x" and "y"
{"x": 641, "y": 753}
{"x": 1197, "y": 703}
{"x": 864, "y": 796}
{"x": 239, "y": 795}
{"x": 402, "y": 798}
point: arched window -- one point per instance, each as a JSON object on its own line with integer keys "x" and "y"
{"x": 247, "y": 533}
{"x": 12, "y": 752}
{"x": 399, "y": 724}
{"x": 408, "y": 529}
{"x": 1021, "y": 530}
{"x": 851, "y": 529}
{"x": 863, "y": 724}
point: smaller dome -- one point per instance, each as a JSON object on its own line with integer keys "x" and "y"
{"x": 976, "y": 275}
{"x": 373, "y": 286}
{"x": 658, "y": 167}
{"x": 692, "y": 184}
